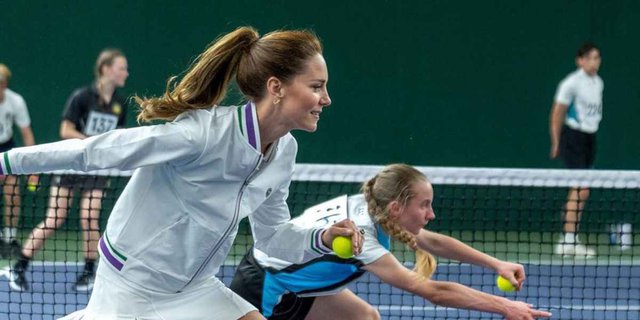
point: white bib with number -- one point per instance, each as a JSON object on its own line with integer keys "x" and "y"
{"x": 99, "y": 122}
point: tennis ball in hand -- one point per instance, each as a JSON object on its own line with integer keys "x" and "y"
{"x": 504, "y": 284}
{"x": 342, "y": 247}
{"x": 32, "y": 187}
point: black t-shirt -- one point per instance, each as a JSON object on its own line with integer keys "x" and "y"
{"x": 92, "y": 116}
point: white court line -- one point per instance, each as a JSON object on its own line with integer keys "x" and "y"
{"x": 571, "y": 307}
{"x": 4, "y": 272}
{"x": 597, "y": 307}
{"x": 576, "y": 261}
{"x": 56, "y": 263}
{"x": 567, "y": 263}
{"x": 234, "y": 261}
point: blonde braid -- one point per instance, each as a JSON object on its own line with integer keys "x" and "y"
{"x": 426, "y": 263}
{"x": 397, "y": 232}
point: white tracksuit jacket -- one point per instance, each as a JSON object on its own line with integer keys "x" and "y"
{"x": 195, "y": 179}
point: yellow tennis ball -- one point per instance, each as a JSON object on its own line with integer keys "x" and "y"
{"x": 342, "y": 247}
{"x": 32, "y": 187}
{"x": 504, "y": 284}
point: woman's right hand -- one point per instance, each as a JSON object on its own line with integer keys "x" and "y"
{"x": 345, "y": 228}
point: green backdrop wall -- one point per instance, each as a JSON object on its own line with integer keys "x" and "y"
{"x": 442, "y": 83}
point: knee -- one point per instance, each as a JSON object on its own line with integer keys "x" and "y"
{"x": 58, "y": 222}
{"x": 55, "y": 218}
{"x": 253, "y": 315}
{"x": 89, "y": 224}
{"x": 90, "y": 220}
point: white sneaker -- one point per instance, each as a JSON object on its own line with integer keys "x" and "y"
{"x": 574, "y": 249}
{"x": 18, "y": 282}
{"x": 85, "y": 281}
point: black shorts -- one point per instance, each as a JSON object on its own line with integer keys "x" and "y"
{"x": 82, "y": 182}
{"x": 248, "y": 282}
{"x": 7, "y": 145}
{"x": 577, "y": 148}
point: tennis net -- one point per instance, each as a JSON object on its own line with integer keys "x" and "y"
{"x": 512, "y": 214}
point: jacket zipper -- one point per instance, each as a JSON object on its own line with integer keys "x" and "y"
{"x": 234, "y": 220}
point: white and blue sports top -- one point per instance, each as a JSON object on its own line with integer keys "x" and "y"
{"x": 582, "y": 93}
{"x": 328, "y": 274}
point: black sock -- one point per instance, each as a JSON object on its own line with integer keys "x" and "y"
{"x": 89, "y": 265}
{"x": 22, "y": 263}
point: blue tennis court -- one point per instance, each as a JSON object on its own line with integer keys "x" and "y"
{"x": 568, "y": 291}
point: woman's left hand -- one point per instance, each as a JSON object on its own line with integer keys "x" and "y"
{"x": 513, "y": 272}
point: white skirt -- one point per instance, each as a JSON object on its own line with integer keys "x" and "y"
{"x": 113, "y": 299}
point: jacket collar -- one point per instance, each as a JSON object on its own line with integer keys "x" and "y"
{"x": 248, "y": 122}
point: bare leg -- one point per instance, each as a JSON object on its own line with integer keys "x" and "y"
{"x": 59, "y": 200}
{"x": 569, "y": 245}
{"x": 343, "y": 305}
{"x": 575, "y": 205}
{"x": 89, "y": 222}
{"x": 11, "y": 191}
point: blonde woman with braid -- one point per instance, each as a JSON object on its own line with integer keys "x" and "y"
{"x": 198, "y": 175}
{"x": 396, "y": 203}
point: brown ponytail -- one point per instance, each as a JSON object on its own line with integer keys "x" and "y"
{"x": 241, "y": 53}
{"x": 206, "y": 81}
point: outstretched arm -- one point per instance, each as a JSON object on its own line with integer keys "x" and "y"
{"x": 124, "y": 149}
{"x": 451, "y": 248}
{"x": 449, "y": 294}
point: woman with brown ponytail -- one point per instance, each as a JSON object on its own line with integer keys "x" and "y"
{"x": 198, "y": 175}
{"x": 396, "y": 203}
